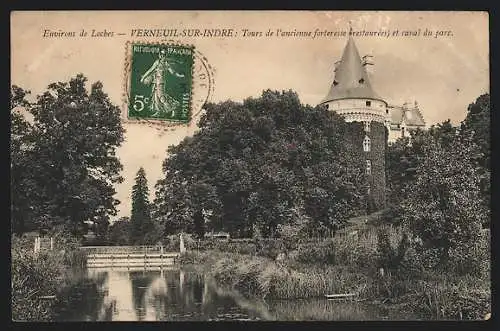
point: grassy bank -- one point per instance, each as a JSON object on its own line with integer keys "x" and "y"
{"x": 36, "y": 279}
{"x": 352, "y": 264}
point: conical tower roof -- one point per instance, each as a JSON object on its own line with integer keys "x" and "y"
{"x": 351, "y": 79}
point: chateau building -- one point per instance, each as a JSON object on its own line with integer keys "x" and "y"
{"x": 402, "y": 120}
{"x": 352, "y": 96}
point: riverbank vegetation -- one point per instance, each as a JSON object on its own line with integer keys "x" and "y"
{"x": 37, "y": 279}
{"x": 353, "y": 266}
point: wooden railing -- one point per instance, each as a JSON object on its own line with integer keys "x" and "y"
{"x": 43, "y": 243}
{"x": 123, "y": 249}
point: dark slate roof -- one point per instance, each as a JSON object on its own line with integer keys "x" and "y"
{"x": 411, "y": 116}
{"x": 351, "y": 79}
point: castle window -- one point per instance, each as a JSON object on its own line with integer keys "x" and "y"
{"x": 335, "y": 83}
{"x": 361, "y": 81}
{"x": 367, "y": 126}
{"x": 403, "y": 131}
{"x": 327, "y": 106}
{"x": 368, "y": 103}
{"x": 368, "y": 167}
{"x": 366, "y": 144}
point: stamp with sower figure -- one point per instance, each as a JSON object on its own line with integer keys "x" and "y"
{"x": 160, "y": 86}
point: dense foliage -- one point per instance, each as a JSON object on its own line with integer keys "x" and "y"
{"x": 261, "y": 163}
{"x": 119, "y": 232}
{"x": 440, "y": 180}
{"x": 444, "y": 209}
{"x": 477, "y": 126}
{"x": 63, "y": 162}
{"x": 406, "y": 154}
{"x": 44, "y": 274}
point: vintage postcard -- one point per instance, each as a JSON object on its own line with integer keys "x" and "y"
{"x": 250, "y": 165}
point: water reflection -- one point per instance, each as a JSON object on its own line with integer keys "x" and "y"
{"x": 185, "y": 295}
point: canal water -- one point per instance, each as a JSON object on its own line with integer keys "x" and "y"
{"x": 187, "y": 295}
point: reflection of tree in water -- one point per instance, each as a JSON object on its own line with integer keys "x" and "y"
{"x": 160, "y": 306}
{"x": 184, "y": 298}
{"x": 178, "y": 300}
{"x": 157, "y": 296}
{"x": 83, "y": 299}
{"x": 198, "y": 286}
{"x": 140, "y": 282}
{"x": 165, "y": 297}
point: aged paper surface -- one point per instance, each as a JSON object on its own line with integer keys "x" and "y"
{"x": 435, "y": 63}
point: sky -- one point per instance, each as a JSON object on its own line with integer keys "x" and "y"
{"x": 444, "y": 74}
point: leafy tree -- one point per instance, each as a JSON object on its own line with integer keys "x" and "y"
{"x": 119, "y": 231}
{"x": 256, "y": 164}
{"x": 402, "y": 159}
{"x": 68, "y": 159}
{"x": 21, "y": 142}
{"x": 407, "y": 153}
{"x": 443, "y": 209}
{"x": 477, "y": 123}
{"x": 477, "y": 126}
{"x": 140, "y": 220}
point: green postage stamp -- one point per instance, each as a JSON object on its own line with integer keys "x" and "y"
{"x": 160, "y": 82}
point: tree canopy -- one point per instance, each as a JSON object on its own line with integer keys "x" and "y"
{"x": 440, "y": 178}
{"x": 264, "y": 162}
{"x": 444, "y": 209}
{"x": 63, "y": 165}
{"x": 407, "y": 153}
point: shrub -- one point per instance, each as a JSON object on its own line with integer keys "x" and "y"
{"x": 32, "y": 277}
{"x": 389, "y": 257}
{"x": 172, "y": 242}
{"x": 43, "y": 274}
{"x": 270, "y": 248}
{"x": 189, "y": 257}
{"x": 247, "y": 280}
{"x": 472, "y": 258}
{"x": 392, "y": 215}
{"x": 451, "y": 298}
{"x": 236, "y": 247}
{"x": 348, "y": 250}
{"x": 293, "y": 234}
{"x": 224, "y": 270}
{"x": 321, "y": 253}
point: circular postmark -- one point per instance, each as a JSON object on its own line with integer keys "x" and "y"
{"x": 203, "y": 84}
{"x": 166, "y": 84}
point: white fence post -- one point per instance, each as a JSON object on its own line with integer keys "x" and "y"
{"x": 51, "y": 243}
{"x": 37, "y": 245}
{"x": 182, "y": 248}
{"x": 161, "y": 256}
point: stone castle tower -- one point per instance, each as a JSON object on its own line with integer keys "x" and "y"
{"x": 352, "y": 96}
